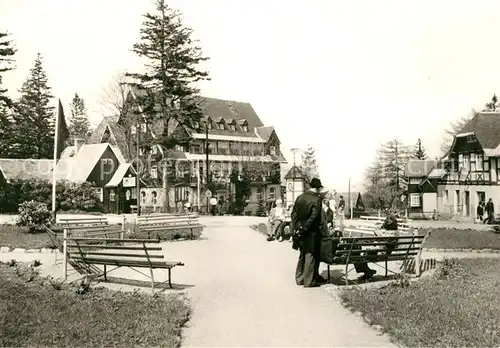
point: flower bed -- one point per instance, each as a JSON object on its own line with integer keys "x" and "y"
{"x": 456, "y": 307}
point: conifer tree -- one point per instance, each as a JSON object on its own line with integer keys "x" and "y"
{"x": 34, "y": 116}
{"x": 309, "y": 164}
{"x": 79, "y": 124}
{"x": 6, "y": 53}
{"x": 167, "y": 89}
{"x": 419, "y": 151}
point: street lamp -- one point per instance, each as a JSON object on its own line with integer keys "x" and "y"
{"x": 294, "y": 151}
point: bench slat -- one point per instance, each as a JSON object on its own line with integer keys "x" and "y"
{"x": 94, "y": 253}
{"x": 343, "y": 245}
{"x": 113, "y": 247}
{"x": 115, "y": 240}
{"x": 168, "y": 227}
{"x": 131, "y": 263}
{"x": 93, "y": 228}
{"x": 374, "y": 258}
{"x": 380, "y": 250}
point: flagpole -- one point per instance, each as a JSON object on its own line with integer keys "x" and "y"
{"x": 56, "y": 140}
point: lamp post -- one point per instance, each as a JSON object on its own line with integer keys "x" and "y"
{"x": 294, "y": 151}
{"x": 137, "y": 181}
{"x": 207, "y": 163}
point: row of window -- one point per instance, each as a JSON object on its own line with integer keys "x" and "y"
{"x": 225, "y": 148}
{"x": 220, "y": 125}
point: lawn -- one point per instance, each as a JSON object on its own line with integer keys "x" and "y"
{"x": 19, "y": 237}
{"x": 457, "y": 306}
{"x": 34, "y": 313}
{"x": 451, "y": 238}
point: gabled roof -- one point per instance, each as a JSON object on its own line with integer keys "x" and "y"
{"x": 119, "y": 174}
{"x": 354, "y": 197}
{"x": 486, "y": 127}
{"x": 79, "y": 167}
{"x": 116, "y": 132}
{"x": 265, "y": 132}
{"x": 419, "y": 168}
{"x": 294, "y": 173}
{"x": 14, "y": 169}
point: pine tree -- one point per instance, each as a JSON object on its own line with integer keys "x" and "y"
{"x": 309, "y": 164}
{"x": 6, "y": 53}
{"x": 167, "y": 89}
{"x": 492, "y": 105}
{"x": 419, "y": 151}
{"x": 34, "y": 116}
{"x": 79, "y": 125}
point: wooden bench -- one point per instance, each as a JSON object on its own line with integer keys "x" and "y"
{"x": 136, "y": 254}
{"x": 83, "y": 221}
{"x": 155, "y": 223}
{"x": 375, "y": 249}
{"x": 377, "y": 221}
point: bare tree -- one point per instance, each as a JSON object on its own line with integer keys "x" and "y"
{"x": 114, "y": 95}
{"x": 453, "y": 129}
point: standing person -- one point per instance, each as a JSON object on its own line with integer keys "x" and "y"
{"x": 341, "y": 212}
{"x": 480, "y": 211}
{"x": 328, "y": 214}
{"x": 213, "y": 205}
{"x": 490, "y": 211}
{"x": 306, "y": 227}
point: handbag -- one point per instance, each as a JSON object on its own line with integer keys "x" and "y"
{"x": 328, "y": 249}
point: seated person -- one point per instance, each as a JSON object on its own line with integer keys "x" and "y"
{"x": 276, "y": 221}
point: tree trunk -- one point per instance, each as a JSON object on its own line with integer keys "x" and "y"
{"x": 166, "y": 205}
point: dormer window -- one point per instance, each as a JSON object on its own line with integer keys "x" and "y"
{"x": 244, "y": 125}
{"x": 471, "y": 138}
{"x": 232, "y": 125}
{"x": 272, "y": 150}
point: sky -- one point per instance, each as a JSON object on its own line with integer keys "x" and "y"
{"x": 343, "y": 76}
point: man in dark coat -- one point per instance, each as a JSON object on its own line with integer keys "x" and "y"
{"x": 306, "y": 226}
{"x": 490, "y": 212}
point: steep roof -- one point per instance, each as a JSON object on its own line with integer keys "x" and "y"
{"x": 265, "y": 132}
{"x": 419, "y": 168}
{"x": 119, "y": 174}
{"x": 486, "y": 127}
{"x": 294, "y": 172}
{"x": 117, "y": 133}
{"x": 13, "y": 169}
{"x": 78, "y": 167}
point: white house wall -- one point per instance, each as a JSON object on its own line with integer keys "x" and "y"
{"x": 450, "y": 207}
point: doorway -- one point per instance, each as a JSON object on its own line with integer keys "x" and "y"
{"x": 467, "y": 203}
{"x": 481, "y": 197}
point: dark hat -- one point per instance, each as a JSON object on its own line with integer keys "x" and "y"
{"x": 316, "y": 183}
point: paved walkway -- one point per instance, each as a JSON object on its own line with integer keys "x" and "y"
{"x": 244, "y": 294}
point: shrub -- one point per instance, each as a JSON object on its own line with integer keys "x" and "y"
{"x": 34, "y": 215}
{"x": 69, "y": 196}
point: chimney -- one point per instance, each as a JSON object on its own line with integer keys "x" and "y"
{"x": 78, "y": 144}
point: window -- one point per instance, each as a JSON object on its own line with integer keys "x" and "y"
{"x": 134, "y": 192}
{"x": 180, "y": 193}
{"x": 247, "y": 149}
{"x": 154, "y": 199}
{"x": 143, "y": 198}
{"x": 112, "y": 195}
{"x": 211, "y": 148}
{"x": 99, "y": 192}
{"x": 272, "y": 150}
{"x": 466, "y": 163}
{"x": 486, "y": 164}
{"x": 232, "y": 127}
{"x": 196, "y": 149}
{"x": 144, "y": 128}
{"x": 235, "y": 149}
{"x": 223, "y": 148}
{"x": 272, "y": 193}
{"x": 179, "y": 148}
{"x": 259, "y": 193}
{"x": 244, "y": 128}
{"x": 473, "y": 162}
{"x": 414, "y": 200}
{"x": 221, "y": 125}
{"x": 479, "y": 162}
{"x": 154, "y": 172}
{"x": 460, "y": 162}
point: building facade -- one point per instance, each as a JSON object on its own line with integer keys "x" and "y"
{"x": 472, "y": 168}
{"x": 237, "y": 143}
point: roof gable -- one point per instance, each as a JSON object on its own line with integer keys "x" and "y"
{"x": 294, "y": 173}
{"x": 486, "y": 127}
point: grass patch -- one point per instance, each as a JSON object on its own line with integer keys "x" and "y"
{"x": 456, "y": 307}
{"x": 451, "y": 238}
{"x": 19, "y": 237}
{"x": 34, "y": 313}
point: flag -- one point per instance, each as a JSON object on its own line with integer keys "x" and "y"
{"x": 61, "y": 134}
{"x": 62, "y": 129}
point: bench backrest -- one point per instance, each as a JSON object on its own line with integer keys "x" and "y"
{"x": 372, "y": 230}
{"x": 101, "y": 249}
{"x": 84, "y": 221}
{"x": 167, "y": 219}
{"x": 382, "y": 218}
{"x": 95, "y": 231}
{"x": 378, "y": 248}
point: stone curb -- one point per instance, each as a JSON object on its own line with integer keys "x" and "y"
{"x": 462, "y": 250}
